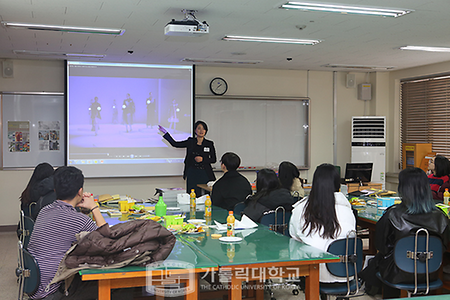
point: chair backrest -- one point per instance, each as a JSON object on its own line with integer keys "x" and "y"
{"x": 26, "y": 225}
{"x": 31, "y": 209}
{"x": 277, "y": 220}
{"x": 419, "y": 254}
{"x": 239, "y": 208}
{"x": 350, "y": 251}
{"x": 404, "y": 257}
{"x": 28, "y": 272}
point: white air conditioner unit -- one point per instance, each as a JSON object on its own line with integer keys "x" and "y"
{"x": 369, "y": 144}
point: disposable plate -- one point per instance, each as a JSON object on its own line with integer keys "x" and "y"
{"x": 230, "y": 239}
{"x": 196, "y": 221}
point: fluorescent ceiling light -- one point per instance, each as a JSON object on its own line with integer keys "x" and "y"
{"x": 347, "y": 9}
{"x": 358, "y": 67}
{"x": 269, "y": 40}
{"x": 110, "y": 31}
{"x": 47, "y": 53}
{"x": 424, "y": 48}
{"x": 222, "y": 61}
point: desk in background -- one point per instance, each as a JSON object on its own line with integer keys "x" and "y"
{"x": 352, "y": 187}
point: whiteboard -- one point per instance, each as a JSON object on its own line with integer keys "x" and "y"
{"x": 33, "y": 129}
{"x": 263, "y": 131}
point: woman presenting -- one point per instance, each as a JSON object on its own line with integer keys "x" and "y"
{"x": 200, "y": 154}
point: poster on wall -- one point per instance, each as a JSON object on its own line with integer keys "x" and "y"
{"x": 48, "y": 135}
{"x": 39, "y": 118}
{"x": 19, "y": 136}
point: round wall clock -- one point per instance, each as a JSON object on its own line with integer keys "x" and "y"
{"x": 218, "y": 86}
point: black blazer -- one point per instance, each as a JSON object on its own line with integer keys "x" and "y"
{"x": 206, "y": 150}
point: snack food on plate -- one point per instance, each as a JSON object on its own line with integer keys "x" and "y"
{"x": 358, "y": 202}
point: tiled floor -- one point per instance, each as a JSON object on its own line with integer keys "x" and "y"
{"x": 8, "y": 281}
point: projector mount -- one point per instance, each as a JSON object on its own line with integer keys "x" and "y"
{"x": 189, "y": 16}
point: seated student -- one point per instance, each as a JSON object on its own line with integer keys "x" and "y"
{"x": 32, "y": 192}
{"x": 417, "y": 210}
{"x": 55, "y": 230}
{"x": 269, "y": 195}
{"x": 289, "y": 177}
{"x": 439, "y": 166}
{"x": 232, "y": 187}
{"x": 323, "y": 216}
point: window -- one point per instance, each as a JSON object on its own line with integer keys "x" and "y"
{"x": 425, "y": 112}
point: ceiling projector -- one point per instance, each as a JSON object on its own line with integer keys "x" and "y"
{"x": 190, "y": 26}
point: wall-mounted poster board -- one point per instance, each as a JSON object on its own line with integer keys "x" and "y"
{"x": 33, "y": 129}
{"x": 263, "y": 131}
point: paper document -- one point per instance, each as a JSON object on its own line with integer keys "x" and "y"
{"x": 244, "y": 223}
{"x": 186, "y": 199}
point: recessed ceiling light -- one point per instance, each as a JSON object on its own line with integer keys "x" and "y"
{"x": 347, "y": 9}
{"x": 358, "y": 67}
{"x": 425, "y": 48}
{"x": 270, "y": 40}
{"x": 92, "y": 30}
{"x": 222, "y": 61}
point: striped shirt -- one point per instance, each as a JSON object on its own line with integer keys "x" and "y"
{"x": 53, "y": 234}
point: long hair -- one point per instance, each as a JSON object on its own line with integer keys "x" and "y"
{"x": 42, "y": 171}
{"x": 414, "y": 189}
{"x": 287, "y": 171}
{"x": 441, "y": 166}
{"x": 266, "y": 182}
{"x": 319, "y": 213}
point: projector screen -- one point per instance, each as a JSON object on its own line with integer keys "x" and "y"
{"x": 113, "y": 112}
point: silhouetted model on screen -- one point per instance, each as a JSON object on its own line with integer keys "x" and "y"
{"x": 94, "y": 111}
{"x": 128, "y": 109}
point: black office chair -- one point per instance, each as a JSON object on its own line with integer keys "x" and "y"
{"x": 26, "y": 225}
{"x": 277, "y": 220}
{"x": 27, "y": 272}
{"x": 239, "y": 209}
{"x": 419, "y": 255}
{"x": 350, "y": 252}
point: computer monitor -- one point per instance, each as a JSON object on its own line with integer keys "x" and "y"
{"x": 358, "y": 172}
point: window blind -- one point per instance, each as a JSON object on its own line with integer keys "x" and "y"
{"x": 425, "y": 112}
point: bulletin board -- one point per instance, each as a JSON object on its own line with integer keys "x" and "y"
{"x": 263, "y": 131}
{"x": 33, "y": 129}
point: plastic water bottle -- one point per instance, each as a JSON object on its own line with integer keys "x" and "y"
{"x": 208, "y": 209}
{"x": 230, "y": 224}
{"x": 193, "y": 204}
{"x": 446, "y": 196}
{"x": 193, "y": 198}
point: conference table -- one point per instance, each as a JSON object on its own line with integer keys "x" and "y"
{"x": 261, "y": 254}
{"x": 173, "y": 271}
